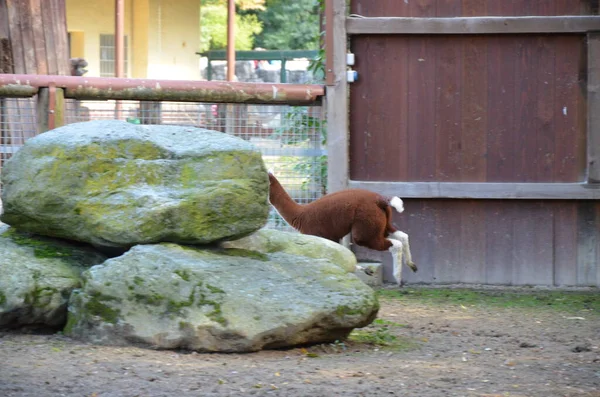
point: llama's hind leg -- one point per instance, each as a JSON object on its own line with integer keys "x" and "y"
{"x": 403, "y": 237}
{"x": 396, "y": 249}
{"x": 372, "y": 235}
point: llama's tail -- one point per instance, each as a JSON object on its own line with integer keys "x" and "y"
{"x": 397, "y": 203}
{"x": 386, "y": 204}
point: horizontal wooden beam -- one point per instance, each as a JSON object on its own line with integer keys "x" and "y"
{"x": 472, "y": 25}
{"x": 466, "y": 190}
{"x": 103, "y": 88}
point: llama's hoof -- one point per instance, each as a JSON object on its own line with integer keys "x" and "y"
{"x": 412, "y": 266}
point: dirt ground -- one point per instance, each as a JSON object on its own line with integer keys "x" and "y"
{"x": 459, "y": 350}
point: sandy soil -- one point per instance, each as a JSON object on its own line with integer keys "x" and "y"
{"x": 461, "y": 351}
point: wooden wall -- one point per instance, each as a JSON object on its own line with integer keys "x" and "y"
{"x": 33, "y": 40}
{"x": 37, "y": 31}
{"x": 481, "y": 108}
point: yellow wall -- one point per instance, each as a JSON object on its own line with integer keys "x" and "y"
{"x": 93, "y": 18}
{"x": 163, "y": 35}
{"x": 139, "y": 42}
{"x": 174, "y": 39}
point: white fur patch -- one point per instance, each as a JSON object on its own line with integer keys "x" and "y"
{"x": 398, "y": 235}
{"x": 396, "y": 250}
{"x": 397, "y": 203}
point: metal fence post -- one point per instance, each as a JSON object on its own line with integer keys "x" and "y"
{"x": 50, "y": 105}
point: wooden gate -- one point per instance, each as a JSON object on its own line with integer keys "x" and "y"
{"x": 485, "y": 117}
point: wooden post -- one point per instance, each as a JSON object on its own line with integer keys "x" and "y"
{"x": 593, "y": 114}
{"x": 229, "y": 108}
{"x": 230, "y": 40}
{"x": 338, "y": 158}
{"x": 50, "y": 107}
{"x": 119, "y": 48}
{"x": 337, "y": 99}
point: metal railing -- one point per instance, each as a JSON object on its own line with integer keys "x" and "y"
{"x": 272, "y": 55}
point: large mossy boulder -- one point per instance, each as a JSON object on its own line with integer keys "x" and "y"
{"x": 169, "y": 296}
{"x": 271, "y": 241}
{"x": 116, "y": 184}
{"x": 37, "y": 275}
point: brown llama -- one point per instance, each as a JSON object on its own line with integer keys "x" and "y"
{"x": 366, "y": 215}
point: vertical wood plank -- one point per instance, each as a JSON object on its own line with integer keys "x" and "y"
{"x": 337, "y": 105}
{"x": 448, "y": 228}
{"x": 50, "y": 46}
{"x": 14, "y": 27}
{"x": 421, "y": 109}
{"x": 525, "y": 152}
{"x": 448, "y": 99}
{"x": 474, "y": 105}
{"x": 501, "y": 115}
{"x": 473, "y": 241}
{"x": 25, "y": 15}
{"x": 39, "y": 38}
{"x": 4, "y": 30}
{"x": 419, "y": 220}
{"x": 544, "y": 119}
{"x": 448, "y": 110}
{"x": 532, "y": 243}
{"x": 570, "y": 162}
{"x": 593, "y": 100}
{"x": 597, "y": 235}
{"x": 473, "y": 256}
{"x": 588, "y": 242}
{"x": 499, "y": 243}
{"x": 565, "y": 243}
{"x": 61, "y": 37}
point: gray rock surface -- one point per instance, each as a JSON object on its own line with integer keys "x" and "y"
{"x": 115, "y": 184}
{"x": 271, "y": 241}
{"x": 37, "y": 275}
{"x": 224, "y": 300}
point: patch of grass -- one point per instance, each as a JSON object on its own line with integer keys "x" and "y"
{"x": 381, "y": 321}
{"x": 381, "y": 337}
{"x": 567, "y": 301}
{"x": 380, "y": 334}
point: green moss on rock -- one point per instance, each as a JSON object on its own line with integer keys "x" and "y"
{"x": 183, "y": 273}
{"x": 95, "y": 306}
{"x": 42, "y": 248}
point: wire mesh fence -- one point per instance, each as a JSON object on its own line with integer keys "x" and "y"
{"x": 291, "y": 138}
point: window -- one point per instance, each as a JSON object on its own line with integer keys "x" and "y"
{"x": 107, "y": 55}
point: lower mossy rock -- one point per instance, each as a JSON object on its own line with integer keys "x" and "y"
{"x": 223, "y": 300}
{"x": 271, "y": 241}
{"x": 37, "y": 275}
{"x": 116, "y": 184}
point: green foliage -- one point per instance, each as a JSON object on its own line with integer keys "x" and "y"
{"x": 300, "y": 128}
{"x": 289, "y": 25}
{"x": 567, "y": 301}
{"x": 213, "y": 28}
